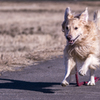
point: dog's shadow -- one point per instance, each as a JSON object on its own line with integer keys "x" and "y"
{"x": 24, "y": 85}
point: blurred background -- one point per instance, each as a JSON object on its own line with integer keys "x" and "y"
{"x": 30, "y": 30}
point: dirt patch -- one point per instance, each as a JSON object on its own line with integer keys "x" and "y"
{"x": 31, "y": 32}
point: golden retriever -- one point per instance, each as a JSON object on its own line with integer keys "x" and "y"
{"x": 82, "y": 49}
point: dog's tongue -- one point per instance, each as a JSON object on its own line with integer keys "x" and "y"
{"x": 71, "y": 41}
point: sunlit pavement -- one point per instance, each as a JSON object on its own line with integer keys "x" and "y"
{"x": 42, "y": 82}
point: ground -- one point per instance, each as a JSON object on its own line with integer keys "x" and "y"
{"x": 31, "y": 32}
{"x": 42, "y": 82}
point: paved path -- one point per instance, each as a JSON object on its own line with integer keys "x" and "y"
{"x": 42, "y": 82}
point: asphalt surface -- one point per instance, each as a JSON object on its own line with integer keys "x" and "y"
{"x": 42, "y": 82}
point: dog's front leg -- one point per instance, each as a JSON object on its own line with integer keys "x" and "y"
{"x": 68, "y": 67}
{"x": 85, "y": 65}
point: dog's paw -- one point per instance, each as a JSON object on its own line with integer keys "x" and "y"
{"x": 91, "y": 83}
{"x": 82, "y": 72}
{"x": 64, "y": 83}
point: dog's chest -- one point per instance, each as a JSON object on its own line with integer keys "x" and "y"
{"x": 78, "y": 52}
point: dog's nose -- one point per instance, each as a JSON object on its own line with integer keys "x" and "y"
{"x": 68, "y": 37}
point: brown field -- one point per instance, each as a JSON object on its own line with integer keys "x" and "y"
{"x": 30, "y": 32}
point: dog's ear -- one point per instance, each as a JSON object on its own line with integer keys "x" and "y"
{"x": 84, "y": 16}
{"x": 68, "y": 15}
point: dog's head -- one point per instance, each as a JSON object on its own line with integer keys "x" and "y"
{"x": 73, "y": 26}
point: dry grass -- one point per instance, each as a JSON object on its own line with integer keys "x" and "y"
{"x": 31, "y": 32}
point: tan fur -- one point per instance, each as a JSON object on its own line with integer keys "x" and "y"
{"x": 87, "y": 45}
{"x": 84, "y": 52}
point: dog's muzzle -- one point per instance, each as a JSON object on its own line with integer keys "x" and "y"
{"x": 70, "y": 40}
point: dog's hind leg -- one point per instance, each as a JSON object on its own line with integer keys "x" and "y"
{"x": 92, "y": 80}
{"x": 69, "y": 64}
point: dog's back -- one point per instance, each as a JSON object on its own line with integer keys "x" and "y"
{"x": 97, "y": 19}
{"x": 97, "y": 22}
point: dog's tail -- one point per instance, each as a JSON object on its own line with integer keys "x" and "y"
{"x": 97, "y": 18}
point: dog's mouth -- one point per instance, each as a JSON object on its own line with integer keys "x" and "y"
{"x": 72, "y": 41}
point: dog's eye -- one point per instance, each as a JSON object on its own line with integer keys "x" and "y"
{"x": 76, "y": 28}
{"x": 66, "y": 28}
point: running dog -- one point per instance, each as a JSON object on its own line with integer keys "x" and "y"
{"x": 82, "y": 49}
